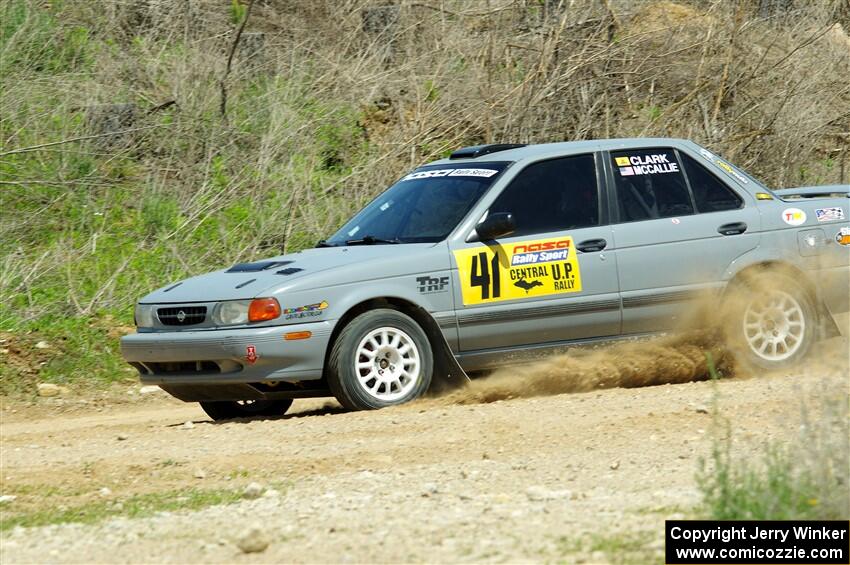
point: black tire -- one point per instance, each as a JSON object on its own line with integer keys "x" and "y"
{"x": 353, "y": 386}
{"x": 770, "y": 312}
{"x": 230, "y": 409}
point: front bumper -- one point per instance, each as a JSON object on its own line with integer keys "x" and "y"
{"x": 225, "y": 356}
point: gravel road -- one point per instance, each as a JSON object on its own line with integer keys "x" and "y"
{"x": 578, "y": 477}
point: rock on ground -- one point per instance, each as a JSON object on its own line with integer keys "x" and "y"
{"x": 253, "y": 540}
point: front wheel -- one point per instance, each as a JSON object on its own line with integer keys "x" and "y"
{"x": 381, "y": 358}
{"x": 230, "y": 409}
{"x": 773, "y": 322}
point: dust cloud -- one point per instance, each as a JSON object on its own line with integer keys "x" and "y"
{"x": 698, "y": 342}
{"x": 674, "y": 359}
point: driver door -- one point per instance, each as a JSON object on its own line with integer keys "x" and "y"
{"x": 555, "y": 278}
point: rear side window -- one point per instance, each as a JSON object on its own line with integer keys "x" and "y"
{"x": 710, "y": 193}
{"x": 650, "y": 184}
{"x": 554, "y": 195}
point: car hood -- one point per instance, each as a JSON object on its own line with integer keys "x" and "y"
{"x": 250, "y": 280}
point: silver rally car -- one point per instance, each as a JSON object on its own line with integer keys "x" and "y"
{"x": 495, "y": 253}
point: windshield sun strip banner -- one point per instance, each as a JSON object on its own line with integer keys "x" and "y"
{"x": 481, "y": 173}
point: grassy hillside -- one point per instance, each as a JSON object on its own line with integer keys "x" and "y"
{"x": 328, "y": 102}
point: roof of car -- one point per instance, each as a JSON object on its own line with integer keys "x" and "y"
{"x": 568, "y": 147}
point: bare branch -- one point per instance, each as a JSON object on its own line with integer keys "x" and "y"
{"x": 223, "y": 82}
{"x": 73, "y": 139}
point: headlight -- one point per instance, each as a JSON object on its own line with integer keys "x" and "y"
{"x": 232, "y": 312}
{"x": 144, "y": 315}
{"x": 263, "y": 309}
{"x": 236, "y": 312}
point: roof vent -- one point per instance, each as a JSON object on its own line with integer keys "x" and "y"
{"x": 256, "y": 267}
{"x": 478, "y": 150}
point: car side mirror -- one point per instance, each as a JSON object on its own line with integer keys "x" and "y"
{"x": 496, "y": 225}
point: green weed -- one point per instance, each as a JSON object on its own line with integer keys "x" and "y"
{"x": 133, "y": 507}
{"x": 803, "y": 479}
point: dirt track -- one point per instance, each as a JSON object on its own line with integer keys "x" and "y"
{"x": 587, "y": 476}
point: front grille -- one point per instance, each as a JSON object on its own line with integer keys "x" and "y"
{"x": 182, "y": 315}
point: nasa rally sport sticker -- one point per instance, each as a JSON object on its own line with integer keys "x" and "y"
{"x": 794, "y": 216}
{"x": 521, "y": 269}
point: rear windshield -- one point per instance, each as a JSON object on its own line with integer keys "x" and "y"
{"x": 423, "y": 206}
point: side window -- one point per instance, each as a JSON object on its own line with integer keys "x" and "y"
{"x": 650, "y": 184}
{"x": 710, "y": 193}
{"x": 554, "y": 195}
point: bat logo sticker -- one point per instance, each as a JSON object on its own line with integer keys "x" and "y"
{"x": 526, "y": 286}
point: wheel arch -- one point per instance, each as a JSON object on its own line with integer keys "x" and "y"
{"x": 824, "y": 319}
{"x": 447, "y": 371}
{"x": 776, "y": 266}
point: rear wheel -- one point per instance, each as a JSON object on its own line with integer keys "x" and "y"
{"x": 230, "y": 409}
{"x": 381, "y": 358}
{"x": 773, "y": 322}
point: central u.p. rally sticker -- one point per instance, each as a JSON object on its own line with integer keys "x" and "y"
{"x": 522, "y": 269}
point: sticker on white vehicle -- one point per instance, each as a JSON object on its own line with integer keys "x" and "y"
{"x": 731, "y": 170}
{"x": 794, "y": 216}
{"x": 728, "y": 169}
{"x": 634, "y": 165}
{"x": 522, "y": 269}
{"x": 251, "y": 354}
{"x": 830, "y": 214}
{"x": 843, "y": 236}
{"x": 485, "y": 173}
{"x": 430, "y": 285}
{"x": 307, "y": 311}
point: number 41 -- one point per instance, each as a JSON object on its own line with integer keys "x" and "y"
{"x": 480, "y": 275}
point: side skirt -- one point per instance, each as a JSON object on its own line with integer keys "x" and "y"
{"x": 484, "y": 359}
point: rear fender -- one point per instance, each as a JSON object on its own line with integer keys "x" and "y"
{"x": 828, "y": 322}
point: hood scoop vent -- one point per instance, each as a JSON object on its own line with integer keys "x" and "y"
{"x": 256, "y": 267}
{"x": 289, "y": 271}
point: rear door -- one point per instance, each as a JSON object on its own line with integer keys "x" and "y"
{"x": 555, "y": 278}
{"x": 677, "y": 229}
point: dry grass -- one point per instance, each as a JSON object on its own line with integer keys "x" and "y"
{"x": 328, "y": 102}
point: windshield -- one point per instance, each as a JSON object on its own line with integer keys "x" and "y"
{"x": 423, "y": 207}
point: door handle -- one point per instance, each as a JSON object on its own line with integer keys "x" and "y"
{"x": 591, "y": 245}
{"x": 734, "y": 228}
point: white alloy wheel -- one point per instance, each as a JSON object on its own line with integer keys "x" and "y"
{"x": 387, "y": 364}
{"x": 774, "y": 326}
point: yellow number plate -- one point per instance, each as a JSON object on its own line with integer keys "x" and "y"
{"x": 522, "y": 269}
